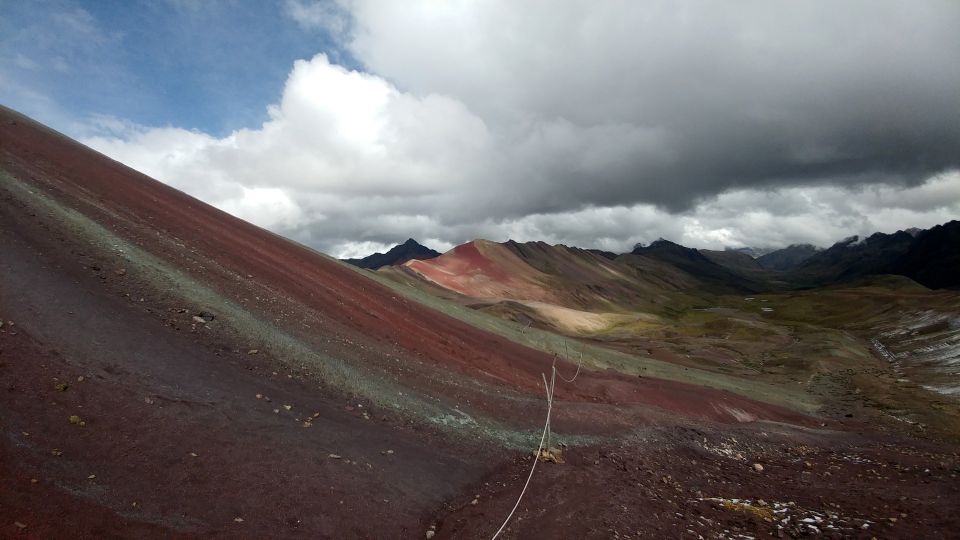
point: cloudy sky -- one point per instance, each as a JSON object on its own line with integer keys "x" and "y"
{"x": 353, "y": 125}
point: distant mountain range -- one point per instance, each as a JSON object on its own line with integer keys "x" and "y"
{"x": 399, "y": 254}
{"x": 787, "y": 258}
{"x": 929, "y": 257}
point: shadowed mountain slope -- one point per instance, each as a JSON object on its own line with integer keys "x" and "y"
{"x": 787, "y": 258}
{"x": 737, "y": 261}
{"x": 852, "y": 258}
{"x": 717, "y": 277}
{"x": 934, "y": 257}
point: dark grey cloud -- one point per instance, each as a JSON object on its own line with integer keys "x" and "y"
{"x": 670, "y": 102}
{"x": 595, "y": 123}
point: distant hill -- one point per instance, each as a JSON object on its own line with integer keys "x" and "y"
{"x": 399, "y": 254}
{"x": 732, "y": 259}
{"x": 603, "y": 253}
{"x": 751, "y": 251}
{"x": 699, "y": 266}
{"x": 787, "y": 258}
{"x": 934, "y": 258}
{"x": 539, "y": 272}
{"x": 852, "y": 258}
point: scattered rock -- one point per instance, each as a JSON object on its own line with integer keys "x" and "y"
{"x": 91, "y": 477}
{"x": 474, "y": 502}
{"x": 757, "y": 467}
{"x": 199, "y": 320}
{"x": 76, "y": 420}
{"x": 193, "y": 454}
{"x": 120, "y": 271}
{"x": 21, "y": 526}
{"x": 288, "y": 407}
{"x": 148, "y": 400}
{"x": 206, "y": 316}
{"x": 57, "y": 452}
{"x": 334, "y": 456}
{"x": 253, "y": 351}
{"x": 80, "y": 378}
{"x": 61, "y": 387}
{"x": 238, "y": 519}
{"x": 430, "y": 534}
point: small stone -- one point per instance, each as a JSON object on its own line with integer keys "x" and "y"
{"x": 34, "y": 481}
{"x": 288, "y": 407}
{"x": 253, "y": 351}
{"x": 57, "y": 452}
{"x": 80, "y": 378}
{"x": 19, "y": 525}
{"x": 193, "y": 454}
{"x": 334, "y": 456}
{"x": 259, "y": 396}
{"x": 758, "y": 467}
{"x": 430, "y": 534}
{"x": 199, "y": 320}
{"x": 91, "y": 477}
{"x": 893, "y": 520}
{"x": 61, "y": 387}
{"x": 238, "y": 519}
{"x": 75, "y": 420}
{"x": 474, "y": 502}
{"x": 148, "y": 400}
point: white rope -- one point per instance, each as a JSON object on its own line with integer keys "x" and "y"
{"x": 575, "y": 375}
{"x": 536, "y": 458}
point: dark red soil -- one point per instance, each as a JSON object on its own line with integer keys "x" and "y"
{"x": 670, "y": 483}
{"x": 349, "y": 308}
{"x": 176, "y": 441}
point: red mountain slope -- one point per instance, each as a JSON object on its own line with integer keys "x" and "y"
{"x": 232, "y": 383}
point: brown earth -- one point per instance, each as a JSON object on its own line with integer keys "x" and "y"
{"x": 171, "y": 371}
